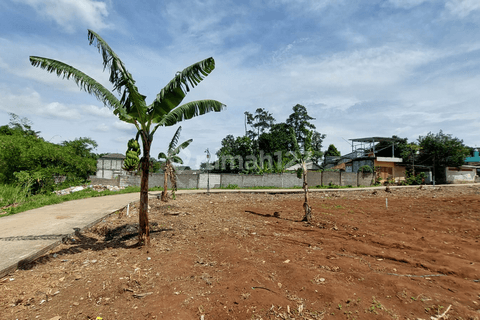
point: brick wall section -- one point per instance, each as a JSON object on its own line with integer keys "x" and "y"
{"x": 314, "y": 178}
{"x": 330, "y": 177}
{"x": 212, "y": 178}
{"x": 154, "y": 180}
{"x": 348, "y": 179}
{"x": 291, "y": 180}
{"x": 231, "y": 179}
{"x": 365, "y": 179}
{"x": 105, "y": 182}
{"x": 285, "y": 180}
{"x": 252, "y": 181}
{"x": 189, "y": 181}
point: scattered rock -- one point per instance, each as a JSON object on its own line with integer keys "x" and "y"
{"x": 98, "y": 188}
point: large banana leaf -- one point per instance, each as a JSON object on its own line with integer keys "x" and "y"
{"x": 162, "y": 155}
{"x": 84, "y": 81}
{"x": 182, "y": 146}
{"x": 173, "y": 93}
{"x": 174, "y": 140}
{"x": 121, "y": 79}
{"x": 176, "y": 159}
{"x": 190, "y": 110}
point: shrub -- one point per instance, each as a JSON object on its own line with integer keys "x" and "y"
{"x": 366, "y": 168}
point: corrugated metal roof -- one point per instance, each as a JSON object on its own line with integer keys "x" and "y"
{"x": 376, "y": 139}
{"x": 113, "y": 156}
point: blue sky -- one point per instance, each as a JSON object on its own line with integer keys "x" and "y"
{"x": 362, "y": 68}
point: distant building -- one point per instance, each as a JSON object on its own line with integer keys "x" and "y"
{"x": 365, "y": 152}
{"x": 110, "y": 166}
{"x": 310, "y": 166}
{"x": 462, "y": 174}
{"x": 475, "y": 159}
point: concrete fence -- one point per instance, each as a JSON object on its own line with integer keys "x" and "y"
{"x": 284, "y": 180}
{"x": 463, "y": 174}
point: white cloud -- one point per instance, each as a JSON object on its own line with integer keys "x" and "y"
{"x": 407, "y": 4}
{"x": 308, "y": 5}
{"x": 122, "y": 140}
{"x": 102, "y": 112}
{"x": 70, "y": 14}
{"x": 207, "y": 22}
{"x": 3, "y": 65}
{"x": 462, "y": 8}
{"x": 19, "y": 103}
{"x": 27, "y": 102}
{"x": 59, "y": 110}
{"x": 102, "y": 128}
{"x": 14, "y": 60}
{"x": 347, "y": 75}
{"x": 124, "y": 126}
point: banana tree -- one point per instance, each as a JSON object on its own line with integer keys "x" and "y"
{"x": 302, "y": 155}
{"x": 169, "y": 159}
{"x": 130, "y": 106}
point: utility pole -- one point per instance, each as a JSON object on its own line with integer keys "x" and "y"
{"x": 245, "y": 123}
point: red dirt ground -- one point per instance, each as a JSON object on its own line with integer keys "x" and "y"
{"x": 248, "y": 256}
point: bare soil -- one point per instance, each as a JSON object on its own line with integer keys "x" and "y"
{"x": 249, "y": 256}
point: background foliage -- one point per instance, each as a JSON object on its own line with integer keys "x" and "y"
{"x": 33, "y": 163}
{"x": 268, "y": 147}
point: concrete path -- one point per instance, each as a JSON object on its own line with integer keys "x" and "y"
{"x": 28, "y": 235}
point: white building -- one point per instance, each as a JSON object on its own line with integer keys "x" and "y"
{"x": 110, "y": 166}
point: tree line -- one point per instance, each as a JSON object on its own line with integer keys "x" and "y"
{"x": 29, "y": 160}
{"x": 267, "y": 146}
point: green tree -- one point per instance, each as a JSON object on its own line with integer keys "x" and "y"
{"x": 155, "y": 165}
{"x": 18, "y": 125}
{"x": 234, "y": 153}
{"x": 82, "y": 147}
{"x": 300, "y": 121}
{"x": 277, "y": 144}
{"x": 332, "y": 151}
{"x": 131, "y": 107}
{"x": 42, "y": 160}
{"x": 441, "y": 150}
{"x": 27, "y": 159}
{"x": 279, "y": 138}
{"x": 169, "y": 159}
{"x": 410, "y": 153}
{"x": 316, "y": 145}
{"x": 261, "y": 122}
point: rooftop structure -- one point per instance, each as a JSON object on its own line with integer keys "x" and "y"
{"x": 475, "y": 158}
{"x": 365, "y": 147}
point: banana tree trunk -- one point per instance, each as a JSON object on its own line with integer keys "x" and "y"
{"x": 306, "y": 207}
{"x": 144, "y": 230}
{"x": 165, "y": 184}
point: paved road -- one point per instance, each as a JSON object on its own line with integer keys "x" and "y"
{"x": 28, "y": 235}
